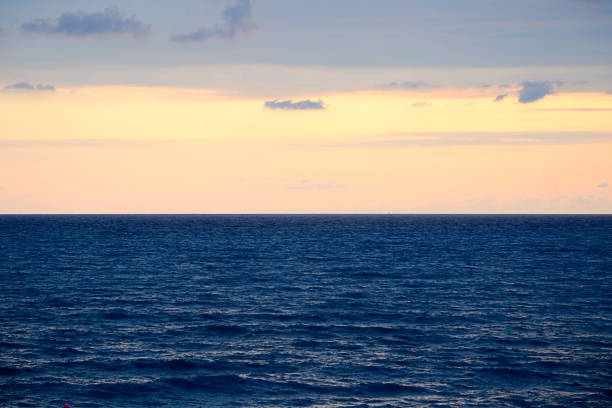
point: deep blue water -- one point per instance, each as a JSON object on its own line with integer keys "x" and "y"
{"x": 191, "y": 311}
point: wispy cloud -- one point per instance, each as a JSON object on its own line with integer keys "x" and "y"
{"x": 602, "y": 185}
{"x": 500, "y": 97}
{"x": 58, "y": 143}
{"x": 532, "y": 91}
{"x": 298, "y": 105}
{"x": 574, "y": 109}
{"x": 480, "y": 139}
{"x": 79, "y": 23}
{"x": 421, "y": 104}
{"x": 26, "y": 86}
{"x": 236, "y": 18}
{"x": 407, "y": 85}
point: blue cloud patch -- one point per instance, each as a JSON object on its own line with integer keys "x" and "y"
{"x": 235, "y": 18}
{"x": 299, "y": 105}
{"x": 26, "y": 86}
{"x": 108, "y": 21}
{"x": 500, "y": 97}
{"x": 533, "y": 91}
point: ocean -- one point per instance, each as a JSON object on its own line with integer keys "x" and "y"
{"x": 305, "y": 311}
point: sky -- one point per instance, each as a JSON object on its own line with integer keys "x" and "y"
{"x": 286, "y": 106}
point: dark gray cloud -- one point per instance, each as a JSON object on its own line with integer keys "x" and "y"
{"x": 500, "y": 97}
{"x": 603, "y": 185}
{"x": 298, "y": 105}
{"x": 404, "y": 85}
{"x": 236, "y": 18}
{"x": 533, "y": 91}
{"x": 108, "y": 21}
{"x": 26, "y": 86}
{"x": 421, "y": 104}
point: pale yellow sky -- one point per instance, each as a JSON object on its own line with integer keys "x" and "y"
{"x": 151, "y": 149}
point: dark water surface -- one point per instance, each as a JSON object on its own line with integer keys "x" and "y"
{"x": 190, "y": 311}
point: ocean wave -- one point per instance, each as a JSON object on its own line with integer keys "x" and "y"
{"x": 225, "y": 330}
{"x": 392, "y": 311}
{"x": 9, "y": 371}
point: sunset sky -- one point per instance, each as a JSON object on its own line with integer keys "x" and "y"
{"x": 282, "y": 106}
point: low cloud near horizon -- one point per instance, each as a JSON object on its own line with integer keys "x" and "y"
{"x": 298, "y": 105}
{"x": 26, "y": 86}
{"x": 108, "y": 21}
{"x": 603, "y": 185}
{"x": 430, "y": 139}
{"x": 236, "y": 18}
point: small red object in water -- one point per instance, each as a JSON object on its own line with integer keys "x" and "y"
{"x": 66, "y": 406}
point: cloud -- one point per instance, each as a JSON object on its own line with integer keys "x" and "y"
{"x": 500, "y": 97}
{"x": 398, "y": 140}
{"x": 59, "y": 143}
{"x": 330, "y": 186}
{"x": 574, "y": 109}
{"x": 78, "y": 24}
{"x": 26, "y": 86}
{"x": 533, "y": 91}
{"x": 236, "y": 18}
{"x": 603, "y": 185}
{"x": 404, "y": 85}
{"x": 421, "y": 104}
{"x": 299, "y": 105}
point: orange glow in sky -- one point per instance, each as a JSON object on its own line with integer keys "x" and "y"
{"x": 119, "y": 149}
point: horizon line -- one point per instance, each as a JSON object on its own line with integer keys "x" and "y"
{"x": 302, "y": 214}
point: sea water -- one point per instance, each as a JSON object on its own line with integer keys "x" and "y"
{"x": 290, "y": 311}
